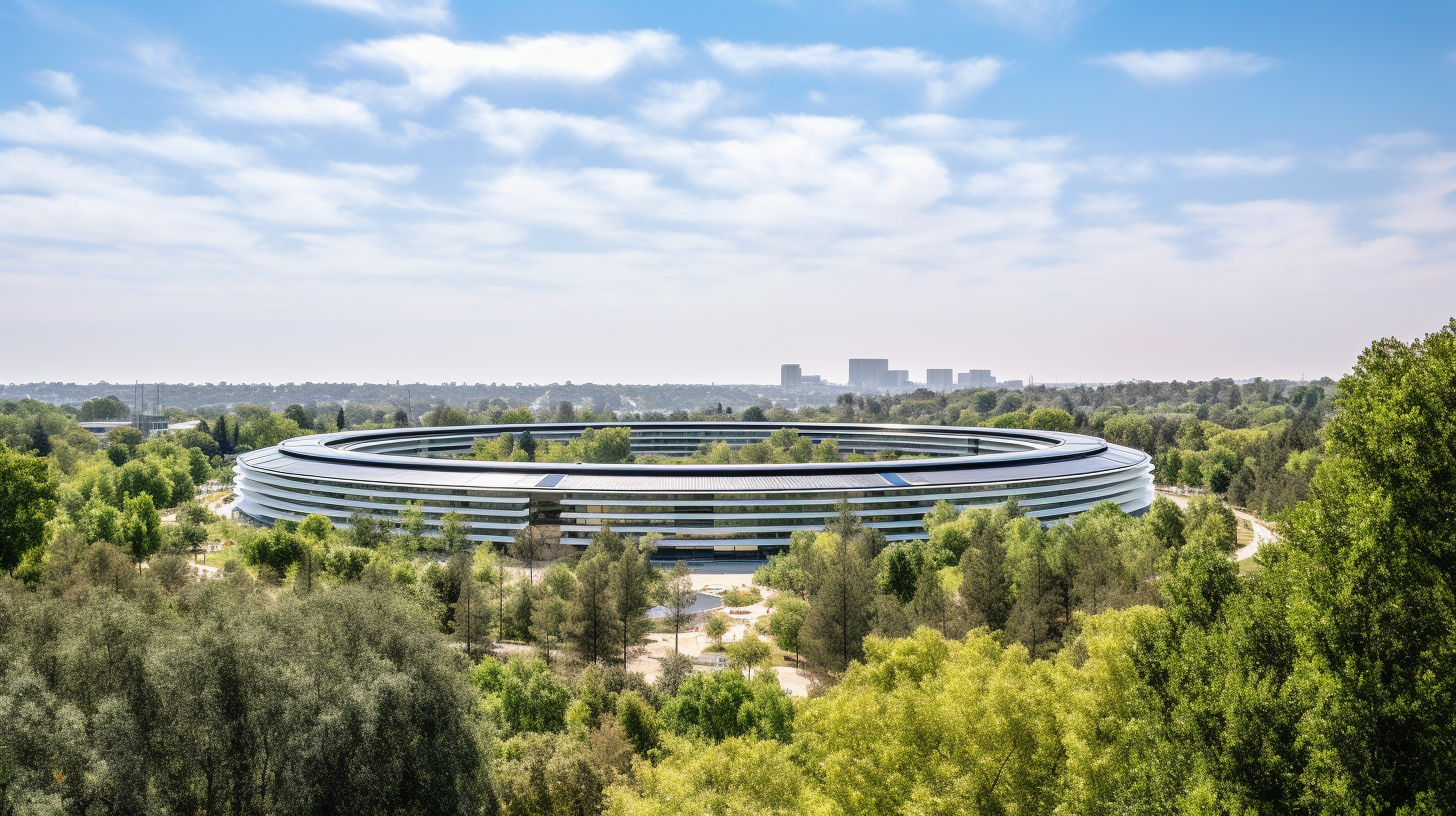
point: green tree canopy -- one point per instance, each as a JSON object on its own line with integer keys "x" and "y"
{"x": 27, "y": 502}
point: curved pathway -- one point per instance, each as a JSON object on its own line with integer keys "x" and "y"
{"x": 1262, "y": 534}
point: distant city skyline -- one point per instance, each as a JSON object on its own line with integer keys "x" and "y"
{"x": 648, "y": 192}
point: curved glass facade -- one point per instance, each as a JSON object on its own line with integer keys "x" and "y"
{"x": 699, "y": 510}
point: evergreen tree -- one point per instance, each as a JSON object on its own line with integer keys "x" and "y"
{"x": 589, "y": 621}
{"x": 472, "y": 611}
{"x": 985, "y": 587}
{"x": 220, "y": 435}
{"x": 339, "y": 421}
{"x": 931, "y": 606}
{"x": 606, "y": 541}
{"x": 1033, "y": 618}
{"x": 523, "y": 611}
{"x": 840, "y": 612}
{"x": 628, "y": 593}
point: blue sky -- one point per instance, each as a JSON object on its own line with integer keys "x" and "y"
{"x": 293, "y": 190}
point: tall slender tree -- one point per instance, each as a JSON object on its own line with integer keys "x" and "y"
{"x": 680, "y": 598}
{"x": 589, "y": 622}
{"x": 930, "y": 606}
{"x": 841, "y": 610}
{"x": 985, "y": 587}
{"x": 629, "y": 577}
{"x": 340, "y": 421}
{"x": 1034, "y": 615}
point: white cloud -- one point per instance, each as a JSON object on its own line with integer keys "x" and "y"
{"x": 392, "y": 173}
{"x": 945, "y": 82}
{"x": 1231, "y": 164}
{"x": 1381, "y": 149}
{"x": 1174, "y": 66}
{"x": 58, "y": 82}
{"x": 270, "y": 102}
{"x": 49, "y": 197}
{"x": 266, "y": 101}
{"x": 659, "y": 203}
{"x": 35, "y": 124}
{"x": 1108, "y": 204}
{"x": 420, "y": 12}
{"x": 674, "y": 104}
{"x": 437, "y": 67}
{"x": 522, "y": 130}
{"x": 1028, "y": 14}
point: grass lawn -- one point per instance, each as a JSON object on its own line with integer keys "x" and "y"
{"x": 217, "y": 559}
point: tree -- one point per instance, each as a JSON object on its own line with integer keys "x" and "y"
{"x": 401, "y": 418}
{"x": 680, "y": 598}
{"x": 629, "y": 576}
{"x": 299, "y": 415}
{"x": 589, "y": 623}
{"x": 930, "y": 606}
{"x": 316, "y": 528}
{"x": 721, "y": 705}
{"x": 638, "y": 721}
{"x": 716, "y": 627}
{"x": 523, "y": 610}
{"x": 340, "y": 422}
{"x": 365, "y": 530}
{"x": 277, "y": 549}
{"x": 526, "y": 545}
{"x": 985, "y": 587}
{"x": 126, "y": 436}
{"x": 472, "y": 613}
{"x": 1033, "y": 618}
{"x": 445, "y": 415}
{"x": 787, "y": 621}
{"x": 749, "y": 652}
{"x": 565, "y": 412}
{"x": 839, "y": 613}
{"x": 900, "y": 573}
{"x": 527, "y": 443}
{"x": 752, "y": 413}
{"x": 521, "y": 695}
{"x": 103, "y": 408}
{"x": 454, "y": 532}
{"x": 1372, "y": 563}
{"x": 221, "y": 436}
{"x": 27, "y": 502}
{"x": 412, "y": 522}
{"x": 1052, "y": 419}
{"x": 141, "y": 527}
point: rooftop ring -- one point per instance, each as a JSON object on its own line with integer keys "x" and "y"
{"x": 700, "y": 510}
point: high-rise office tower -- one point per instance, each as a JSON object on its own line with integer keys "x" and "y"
{"x": 976, "y": 378}
{"x": 790, "y": 375}
{"x": 867, "y": 373}
{"x": 940, "y": 379}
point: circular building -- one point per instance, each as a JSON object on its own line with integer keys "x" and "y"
{"x": 700, "y": 510}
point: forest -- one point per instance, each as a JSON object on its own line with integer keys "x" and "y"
{"x": 1109, "y": 665}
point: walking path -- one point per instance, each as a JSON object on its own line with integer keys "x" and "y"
{"x": 1262, "y": 534}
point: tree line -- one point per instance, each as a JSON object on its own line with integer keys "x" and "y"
{"x": 1109, "y": 665}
